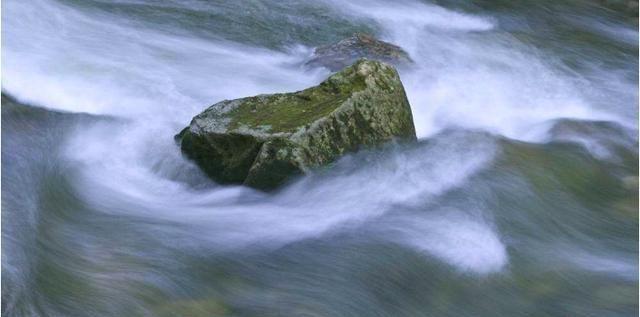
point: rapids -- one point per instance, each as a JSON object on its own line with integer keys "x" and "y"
{"x": 519, "y": 199}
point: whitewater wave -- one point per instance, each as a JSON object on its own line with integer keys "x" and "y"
{"x": 131, "y": 182}
{"x": 468, "y": 74}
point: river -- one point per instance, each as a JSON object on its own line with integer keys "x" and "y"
{"x": 520, "y": 198}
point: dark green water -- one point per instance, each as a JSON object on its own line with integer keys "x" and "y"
{"x": 520, "y": 199}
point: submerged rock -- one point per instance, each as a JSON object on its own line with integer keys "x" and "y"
{"x": 628, "y": 9}
{"x": 342, "y": 54}
{"x": 261, "y": 141}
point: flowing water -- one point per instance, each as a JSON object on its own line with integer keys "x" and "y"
{"x": 520, "y": 199}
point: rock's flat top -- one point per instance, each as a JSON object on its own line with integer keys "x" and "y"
{"x": 278, "y": 112}
{"x": 262, "y": 140}
{"x": 342, "y": 54}
{"x": 285, "y": 113}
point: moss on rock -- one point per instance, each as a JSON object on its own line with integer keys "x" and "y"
{"x": 262, "y": 141}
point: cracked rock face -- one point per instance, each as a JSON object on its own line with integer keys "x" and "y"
{"x": 262, "y": 141}
{"x": 344, "y": 53}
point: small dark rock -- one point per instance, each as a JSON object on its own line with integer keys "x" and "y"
{"x": 344, "y": 53}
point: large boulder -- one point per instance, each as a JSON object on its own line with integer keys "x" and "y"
{"x": 261, "y": 141}
{"x": 344, "y": 53}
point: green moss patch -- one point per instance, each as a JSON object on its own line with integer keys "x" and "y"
{"x": 288, "y": 112}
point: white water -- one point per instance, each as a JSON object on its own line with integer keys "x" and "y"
{"x": 466, "y": 75}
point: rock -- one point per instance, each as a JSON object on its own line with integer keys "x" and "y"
{"x": 261, "y": 141}
{"x": 605, "y": 140}
{"x": 344, "y": 53}
{"x": 625, "y": 8}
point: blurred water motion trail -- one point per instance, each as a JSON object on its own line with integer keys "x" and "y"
{"x": 521, "y": 197}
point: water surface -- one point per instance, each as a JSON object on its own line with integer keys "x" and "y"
{"x": 519, "y": 199}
